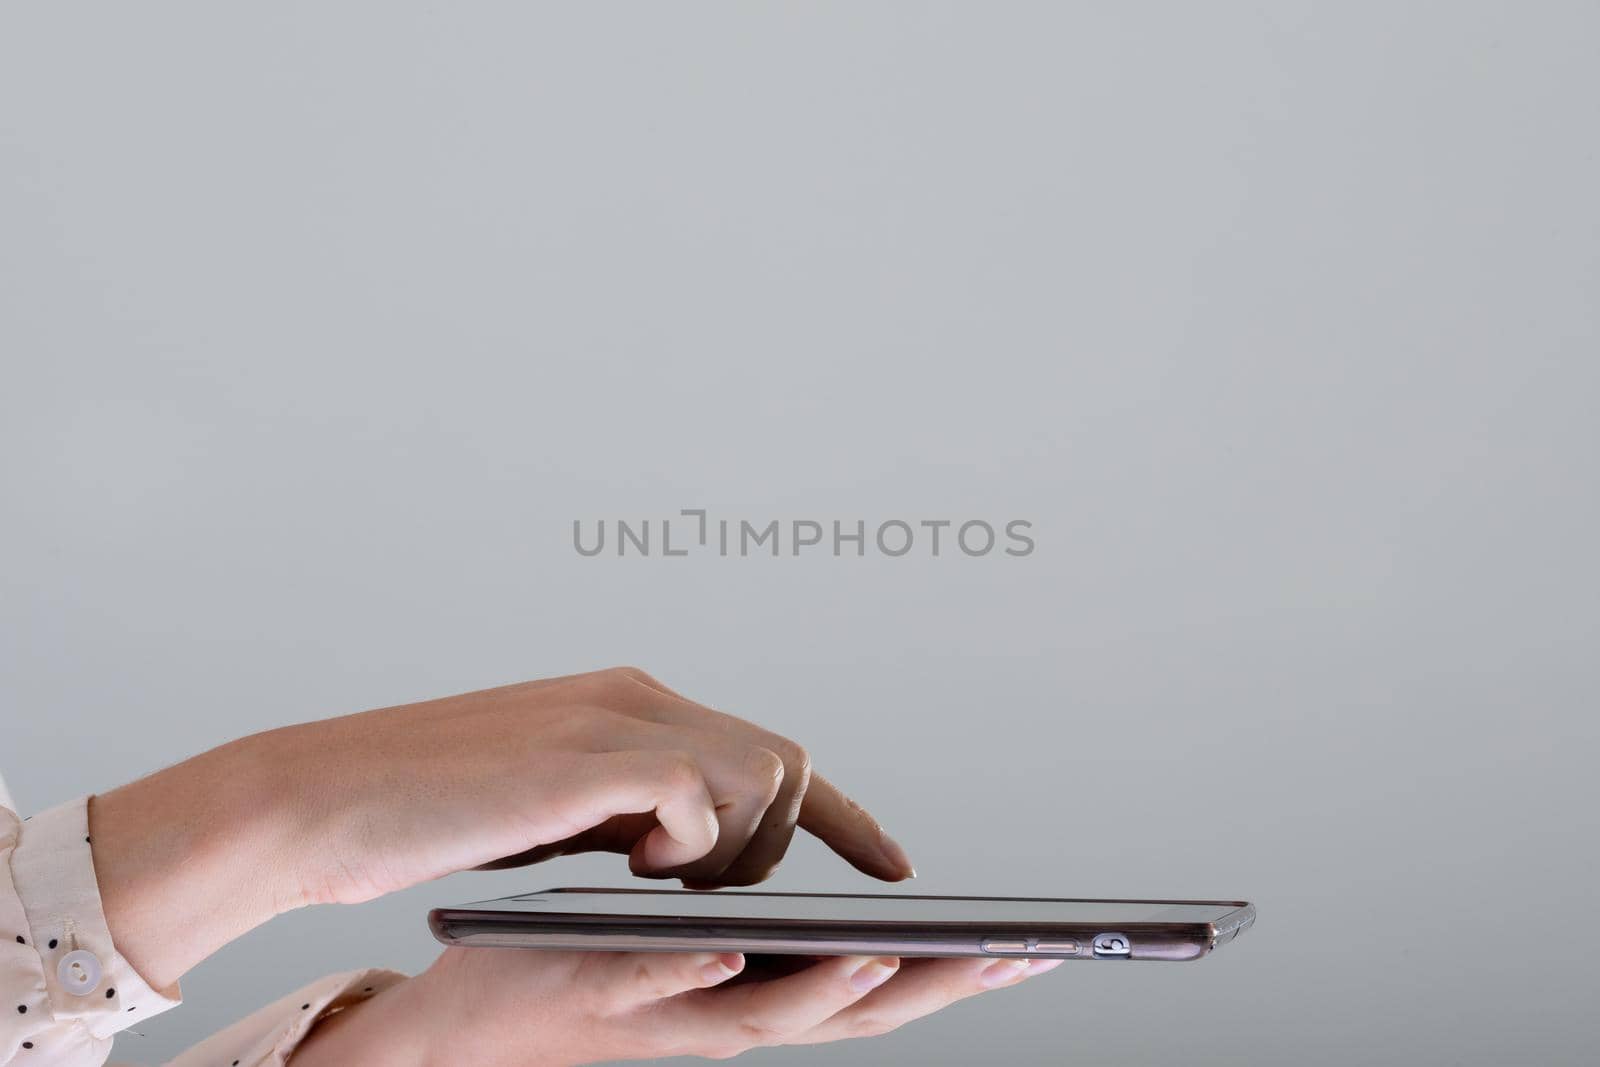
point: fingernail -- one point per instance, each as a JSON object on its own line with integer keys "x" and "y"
{"x": 1003, "y": 972}
{"x": 722, "y": 968}
{"x": 895, "y": 855}
{"x": 1041, "y": 966}
{"x": 873, "y": 973}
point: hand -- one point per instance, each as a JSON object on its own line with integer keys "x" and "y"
{"x": 348, "y": 809}
{"x": 490, "y": 1007}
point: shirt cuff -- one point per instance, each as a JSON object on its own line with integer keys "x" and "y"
{"x": 86, "y": 980}
{"x": 269, "y": 1037}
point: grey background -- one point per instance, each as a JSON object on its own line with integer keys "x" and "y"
{"x": 321, "y": 323}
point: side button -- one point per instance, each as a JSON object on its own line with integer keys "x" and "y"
{"x": 1065, "y": 948}
{"x": 1112, "y": 945}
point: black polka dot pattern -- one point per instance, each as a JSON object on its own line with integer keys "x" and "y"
{"x": 111, "y": 994}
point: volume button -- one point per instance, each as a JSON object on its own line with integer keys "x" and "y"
{"x": 1065, "y": 948}
{"x": 998, "y": 946}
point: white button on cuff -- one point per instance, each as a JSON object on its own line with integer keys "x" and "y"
{"x": 79, "y": 973}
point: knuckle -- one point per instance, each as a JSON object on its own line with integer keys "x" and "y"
{"x": 799, "y": 763}
{"x": 599, "y": 688}
{"x": 792, "y": 753}
{"x": 659, "y": 987}
{"x": 796, "y": 760}
{"x": 757, "y": 1035}
{"x": 681, "y": 773}
{"x": 590, "y": 722}
{"x": 766, "y": 769}
{"x": 633, "y": 674}
{"x": 872, "y": 1026}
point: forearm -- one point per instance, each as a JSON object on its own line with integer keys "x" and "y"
{"x": 192, "y": 857}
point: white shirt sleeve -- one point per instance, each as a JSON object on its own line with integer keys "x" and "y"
{"x": 269, "y": 1037}
{"x": 65, "y": 991}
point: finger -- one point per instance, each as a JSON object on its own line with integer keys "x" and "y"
{"x": 767, "y": 843}
{"x": 637, "y": 978}
{"x": 774, "y": 831}
{"x": 921, "y": 988}
{"x": 743, "y": 780}
{"x": 741, "y": 806}
{"x": 847, "y": 828}
{"x": 736, "y": 1017}
{"x": 669, "y": 784}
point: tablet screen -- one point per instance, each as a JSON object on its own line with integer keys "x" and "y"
{"x": 867, "y": 909}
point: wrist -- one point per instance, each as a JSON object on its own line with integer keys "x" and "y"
{"x": 190, "y": 858}
{"x": 390, "y": 1029}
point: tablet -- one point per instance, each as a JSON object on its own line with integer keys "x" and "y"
{"x": 825, "y": 924}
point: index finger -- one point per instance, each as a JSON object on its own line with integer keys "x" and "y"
{"x": 848, "y": 829}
